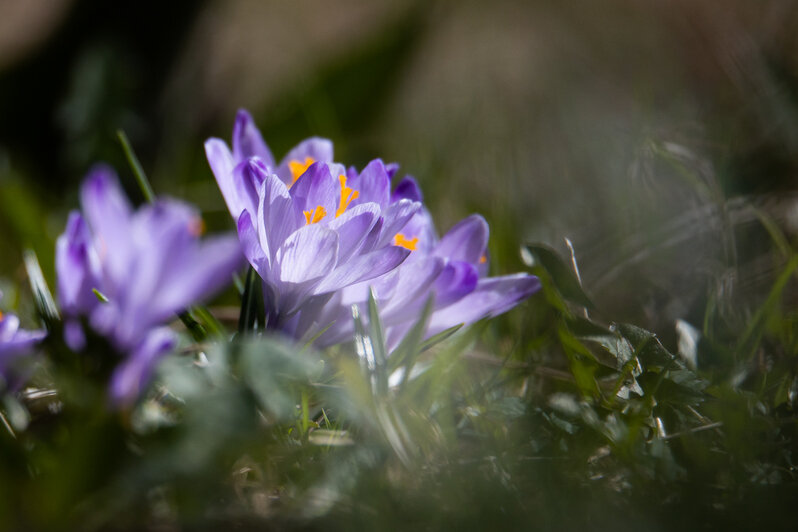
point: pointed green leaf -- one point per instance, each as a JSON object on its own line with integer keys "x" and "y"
{"x": 545, "y": 262}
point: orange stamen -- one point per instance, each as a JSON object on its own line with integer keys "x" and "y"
{"x": 196, "y": 227}
{"x": 315, "y": 216}
{"x": 347, "y": 196}
{"x": 298, "y": 168}
{"x": 1, "y": 316}
{"x": 408, "y": 243}
{"x": 483, "y": 259}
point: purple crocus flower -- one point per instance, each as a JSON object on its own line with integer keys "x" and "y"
{"x": 14, "y": 342}
{"x": 130, "y": 271}
{"x": 453, "y": 268}
{"x": 239, "y": 187}
{"x": 308, "y": 227}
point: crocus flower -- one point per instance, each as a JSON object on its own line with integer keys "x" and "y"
{"x": 14, "y": 342}
{"x": 130, "y": 271}
{"x": 239, "y": 187}
{"x": 453, "y": 269}
{"x": 307, "y": 226}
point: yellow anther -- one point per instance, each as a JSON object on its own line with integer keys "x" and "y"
{"x": 347, "y": 196}
{"x": 196, "y": 227}
{"x": 298, "y": 168}
{"x": 402, "y": 240}
{"x": 314, "y": 216}
{"x": 1, "y": 315}
{"x": 483, "y": 259}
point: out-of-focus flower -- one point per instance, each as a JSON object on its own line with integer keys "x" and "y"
{"x": 14, "y": 342}
{"x": 308, "y": 227}
{"x": 130, "y": 271}
{"x": 453, "y": 269}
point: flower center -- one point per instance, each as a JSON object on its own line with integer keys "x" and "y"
{"x": 347, "y": 196}
{"x": 408, "y": 243}
{"x": 315, "y": 216}
{"x": 1, "y": 315}
{"x": 483, "y": 259}
{"x": 298, "y": 168}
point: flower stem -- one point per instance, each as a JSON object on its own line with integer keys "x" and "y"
{"x": 135, "y": 165}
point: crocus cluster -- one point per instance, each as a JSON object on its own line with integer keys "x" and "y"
{"x": 320, "y": 243}
{"x": 308, "y": 227}
{"x": 130, "y": 271}
{"x": 321, "y": 236}
{"x": 14, "y": 342}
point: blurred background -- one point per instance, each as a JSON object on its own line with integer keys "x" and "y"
{"x": 659, "y": 137}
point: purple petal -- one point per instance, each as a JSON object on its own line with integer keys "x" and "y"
{"x": 256, "y": 253}
{"x": 483, "y": 266}
{"x": 412, "y": 287}
{"x": 467, "y": 241}
{"x": 315, "y": 148}
{"x": 391, "y": 169}
{"x": 278, "y": 217}
{"x": 247, "y": 140}
{"x": 77, "y": 267}
{"x": 222, "y": 165}
{"x": 9, "y": 325}
{"x": 74, "y": 337}
{"x": 162, "y": 234}
{"x": 371, "y": 240}
{"x": 107, "y": 319}
{"x": 491, "y": 297}
{"x": 307, "y": 254}
{"x": 15, "y": 342}
{"x": 316, "y": 188}
{"x": 247, "y": 179}
{"x": 396, "y": 216}
{"x": 108, "y": 212}
{"x": 373, "y": 184}
{"x": 420, "y": 226}
{"x": 363, "y": 268}
{"x": 131, "y": 376}
{"x": 407, "y": 189}
{"x": 336, "y": 319}
{"x": 102, "y": 199}
{"x": 305, "y": 324}
{"x": 353, "y": 226}
{"x": 200, "y": 271}
{"x": 457, "y": 279}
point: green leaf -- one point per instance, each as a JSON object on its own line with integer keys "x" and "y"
{"x": 545, "y": 262}
{"x": 370, "y": 347}
{"x": 135, "y": 166}
{"x": 208, "y": 321}
{"x": 45, "y": 303}
{"x": 648, "y": 348}
{"x": 749, "y": 340}
{"x": 431, "y": 342}
{"x": 276, "y": 373}
{"x": 102, "y": 298}
{"x": 248, "y": 317}
{"x": 377, "y": 335}
{"x": 409, "y": 348}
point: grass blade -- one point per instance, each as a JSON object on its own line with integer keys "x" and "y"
{"x": 45, "y": 303}
{"x": 135, "y": 165}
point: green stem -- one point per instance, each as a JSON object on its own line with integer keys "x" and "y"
{"x": 138, "y": 171}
